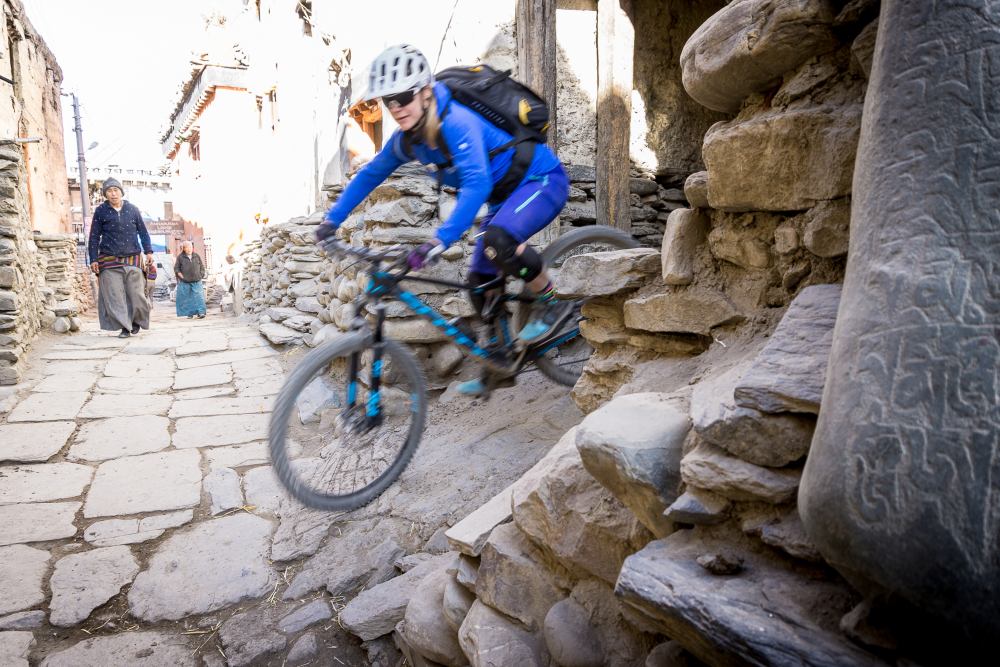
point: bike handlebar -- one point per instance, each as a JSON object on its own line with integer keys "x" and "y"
{"x": 395, "y": 254}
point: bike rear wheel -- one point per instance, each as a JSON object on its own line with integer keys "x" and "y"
{"x": 564, "y": 363}
{"x": 325, "y": 450}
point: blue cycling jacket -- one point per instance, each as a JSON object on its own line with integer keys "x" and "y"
{"x": 469, "y": 138}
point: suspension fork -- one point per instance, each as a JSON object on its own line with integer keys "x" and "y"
{"x": 373, "y": 409}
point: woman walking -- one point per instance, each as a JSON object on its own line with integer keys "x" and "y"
{"x": 190, "y": 271}
{"x": 118, "y": 237}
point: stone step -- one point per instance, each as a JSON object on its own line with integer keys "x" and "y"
{"x": 762, "y": 614}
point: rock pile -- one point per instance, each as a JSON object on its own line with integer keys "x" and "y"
{"x": 58, "y": 253}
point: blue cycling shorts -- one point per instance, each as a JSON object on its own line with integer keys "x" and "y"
{"x": 533, "y": 205}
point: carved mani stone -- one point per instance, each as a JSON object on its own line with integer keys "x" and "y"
{"x": 901, "y": 489}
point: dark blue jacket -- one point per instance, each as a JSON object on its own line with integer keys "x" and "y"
{"x": 469, "y": 138}
{"x": 117, "y": 233}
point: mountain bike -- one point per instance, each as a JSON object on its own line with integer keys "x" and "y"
{"x": 351, "y": 414}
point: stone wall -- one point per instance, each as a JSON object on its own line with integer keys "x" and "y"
{"x": 21, "y": 268}
{"x": 37, "y": 272}
{"x": 770, "y": 215}
{"x": 62, "y": 290}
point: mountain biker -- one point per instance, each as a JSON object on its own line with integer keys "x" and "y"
{"x": 435, "y": 129}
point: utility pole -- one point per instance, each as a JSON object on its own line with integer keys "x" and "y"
{"x": 84, "y": 189}
{"x": 81, "y": 161}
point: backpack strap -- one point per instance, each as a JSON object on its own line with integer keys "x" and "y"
{"x": 519, "y": 164}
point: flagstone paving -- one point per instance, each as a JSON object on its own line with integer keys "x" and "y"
{"x": 123, "y": 465}
{"x": 34, "y": 442}
{"x": 141, "y": 522}
{"x": 114, "y": 437}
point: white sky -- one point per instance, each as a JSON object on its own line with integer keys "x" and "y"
{"x": 124, "y": 59}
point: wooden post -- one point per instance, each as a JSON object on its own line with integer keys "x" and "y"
{"x": 536, "y": 68}
{"x": 615, "y": 46}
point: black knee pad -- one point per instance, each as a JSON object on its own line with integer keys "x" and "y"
{"x": 500, "y": 247}
{"x": 478, "y": 299}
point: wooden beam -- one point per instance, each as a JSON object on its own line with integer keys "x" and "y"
{"x": 536, "y": 53}
{"x": 615, "y": 48}
{"x": 536, "y": 68}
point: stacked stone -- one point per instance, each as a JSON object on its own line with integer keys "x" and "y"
{"x": 629, "y": 322}
{"x": 284, "y": 278}
{"x": 752, "y": 238}
{"x": 21, "y": 275}
{"x": 650, "y": 204}
{"x": 529, "y": 580}
{"x": 57, "y": 254}
{"x": 798, "y": 97}
{"x": 302, "y": 296}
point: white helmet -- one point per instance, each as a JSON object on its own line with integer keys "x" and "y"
{"x": 397, "y": 69}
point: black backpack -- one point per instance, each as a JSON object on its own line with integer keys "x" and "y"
{"x": 508, "y": 104}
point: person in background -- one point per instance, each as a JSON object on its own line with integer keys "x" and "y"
{"x": 118, "y": 237}
{"x": 190, "y": 271}
{"x": 150, "y": 281}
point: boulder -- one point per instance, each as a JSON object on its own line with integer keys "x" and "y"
{"x": 510, "y": 557}
{"x": 747, "y": 46}
{"x": 900, "y": 487}
{"x": 694, "y": 309}
{"x": 747, "y": 248}
{"x": 456, "y": 601}
{"x": 686, "y": 230}
{"x": 377, "y": 610}
{"x": 766, "y": 614}
{"x": 280, "y": 314}
{"x": 280, "y": 334}
{"x": 571, "y": 639}
{"x": 632, "y": 446}
{"x": 308, "y": 304}
{"x": 708, "y": 467}
{"x": 800, "y": 157}
{"x": 789, "y": 373}
{"x": 427, "y": 628}
{"x": 754, "y": 436}
{"x": 606, "y": 273}
{"x": 696, "y": 189}
{"x": 357, "y": 556}
{"x": 828, "y": 228}
{"x": 412, "y": 330}
{"x": 490, "y": 639}
{"x": 571, "y": 516}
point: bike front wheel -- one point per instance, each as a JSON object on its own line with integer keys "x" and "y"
{"x": 564, "y": 362}
{"x": 338, "y": 445}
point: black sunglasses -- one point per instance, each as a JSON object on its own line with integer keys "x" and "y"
{"x": 399, "y": 99}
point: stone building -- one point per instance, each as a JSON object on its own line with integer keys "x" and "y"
{"x": 31, "y": 113}
{"x": 39, "y": 284}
